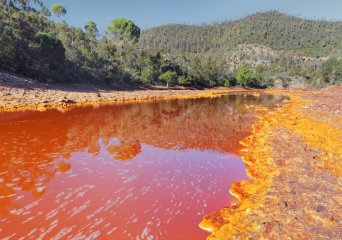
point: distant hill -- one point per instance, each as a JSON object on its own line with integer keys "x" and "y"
{"x": 272, "y": 29}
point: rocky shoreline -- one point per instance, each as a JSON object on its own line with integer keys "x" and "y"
{"x": 18, "y": 94}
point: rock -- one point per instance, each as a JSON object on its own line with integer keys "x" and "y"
{"x": 273, "y": 230}
{"x": 69, "y": 101}
{"x": 41, "y": 108}
{"x": 320, "y": 208}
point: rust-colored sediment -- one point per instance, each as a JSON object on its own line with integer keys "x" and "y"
{"x": 294, "y": 158}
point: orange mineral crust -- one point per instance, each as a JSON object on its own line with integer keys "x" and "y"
{"x": 294, "y": 158}
{"x": 42, "y": 98}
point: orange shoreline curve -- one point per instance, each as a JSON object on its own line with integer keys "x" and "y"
{"x": 288, "y": 140}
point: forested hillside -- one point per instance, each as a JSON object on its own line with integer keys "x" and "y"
{"x": 273, "y": 29}
{"x": 262, "y": 50}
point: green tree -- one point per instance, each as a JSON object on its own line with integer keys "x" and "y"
{"x": 91, "y": 29}
{"x": 91, "y": 33}
{"x": 332, "y": 71}
{"x": 168, "y": 77}
{"x": 246, "y": 77}
{"x": 227, "y": 80}
{"x": 242, "y": 74}
{"x": 211, "y": 72}
{"x": 108, "y": 65}
{"x": 58, "y": 10}
{"x": 154, "y": 62}
{"x": 197, "y": 74}
{"x": 48, "y": 45}
{"x": 183, "y": 80}
{"x": 48, "y": 55}
{"x": 124, "y": 29}
{"x": 147, "y": 75}
{"x": 45, "y": 11}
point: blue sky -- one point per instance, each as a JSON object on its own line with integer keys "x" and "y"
{"x": 150, "y": 13}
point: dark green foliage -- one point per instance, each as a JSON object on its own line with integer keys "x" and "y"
{"x": 34, "y": 46}
{"x": 332, "y": 71}
{"x": 227, "y": 80}
{"x": 49, "y": 46}
{"x": 247, "y": 77}
{"x": 48, "y": 55}
{"x": 18, "y": 31}
{"x": 182, "y": 80}
{"x": 147, "y": 75}
{"x": 273, "y": 29}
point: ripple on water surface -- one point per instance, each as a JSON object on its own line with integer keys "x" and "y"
{"x": 131, "y": 171}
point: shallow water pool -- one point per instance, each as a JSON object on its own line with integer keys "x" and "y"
{"x": 131, "y": 171}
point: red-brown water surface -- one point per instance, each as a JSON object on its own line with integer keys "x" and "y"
{"x": 131, "y": 171}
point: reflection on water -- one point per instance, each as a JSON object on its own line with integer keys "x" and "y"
{"x": 133, "y": 171}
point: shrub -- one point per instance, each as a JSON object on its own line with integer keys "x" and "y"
{"x": 246, "y": 77}
{"x": 48, "y": 46}
{"x": 332, "y": 71}
{"x": 168, "y": 77}
{"x": 147, "y": 76}
{"x": 182, "y": 80}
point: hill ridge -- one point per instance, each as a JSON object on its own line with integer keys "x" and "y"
{"x": 273, "y": 29}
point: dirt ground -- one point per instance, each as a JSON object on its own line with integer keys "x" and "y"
{"x": 294, "y": 158}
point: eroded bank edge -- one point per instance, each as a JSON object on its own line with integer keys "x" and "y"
{"x": 257, "y": 155}
{"x": 169, "y": 95}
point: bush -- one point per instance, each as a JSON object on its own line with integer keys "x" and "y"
{"x": 246, "y": 77}
{"x": 182, "y": 80}
{"x": 48, "y": 46}
{"x": 227, "y": 80}
{"x": 168, "y": 77}
{"x": 332, "y": 71}
{"x": 147, "y": 76}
